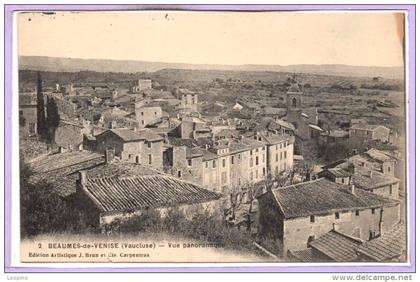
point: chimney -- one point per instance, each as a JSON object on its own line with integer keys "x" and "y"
{"x": 207, "y": 146}
{"x": 352, "y": 189}
{"x": 82, "y": 180}
{"x": 109, "y": 155}
{"x": 335, "y": 227}
{"x": 370, "y": 174}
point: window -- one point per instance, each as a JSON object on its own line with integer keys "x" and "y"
{"x": 142, "y": 122}
{"x": 150, "y": 159}
{"x": 277, "y": 157}
{"x": 21, "y": 113}
{"x": 224, "y": 162}
{"x": 256, "y": 160}
{"x": 179, "y": 174}
{"x": 342, "y": 180}
{"x": 256, "y": 174}
{"x": 285, "y": 154}
{"x": 390, "y": 189}
{"x": 232, "y": 160}
{"x": 337, "y": 215}
{"x": 207, "y": 164}
{"x": 250, "y": 152}
{"x": 256, "y": 150}
{"x": 155, "y": 113}
{"x": 251, "y": 160}
{"x": 357, "y": 212}
{"x": 312, "y": 218}
{"x": 239, "y": 156}
{"x": 224, "y": 177}
{"x": 373, "y": 211}
{"x": 389, "y": 169}
{"x": 149, "y": 144}
{"x": 251, "y": 175}
{"x": 190, "y": 162}
{"x": 294, "y": 102}
{"x": 141, "y": 113}
{"x": 281, "y": 156}
{"x": 263, "y": 148}
{"x": 310, "y": 239}
{"x": 263, "y": 170}
{"x": 281, "y": 145}
{"x": 214, "y": 164}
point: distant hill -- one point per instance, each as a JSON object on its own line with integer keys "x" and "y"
{"x": 101, "y": 65}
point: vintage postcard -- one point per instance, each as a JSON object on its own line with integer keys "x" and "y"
{"x": 195, "y": 136}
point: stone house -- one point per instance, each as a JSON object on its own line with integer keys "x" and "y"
{"x": 142, "y": 147}
{"x": 189, "y": 100}
{"x": 336, "y": 246}
{"x": 142, "y": 85}
{"x": 28, "y": 114}
{"x": 279, "y": 152}
{"x": 376, "y": 160}
{"x": 334, "y": 136}
{"x": 368, "y": 132}
{"x": 184, "y": 162}
{"x": 69, "y": 136}
{"x": 192, "y": 128}
{"x": 147, "y": 114}
{"x": 337, "y": 175}
{"x": 297, "y": 214}
{"x": 110, "y": 198}
{"x": 376, "y": 182}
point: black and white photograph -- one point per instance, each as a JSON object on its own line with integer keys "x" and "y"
{"x": 212, "y": 136}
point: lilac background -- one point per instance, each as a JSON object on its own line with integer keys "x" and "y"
{"x": 411, "y": 138}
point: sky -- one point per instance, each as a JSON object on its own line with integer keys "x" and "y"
{"x": 234, "y": 38}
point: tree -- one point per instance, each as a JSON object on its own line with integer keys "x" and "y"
{"x": 53, "y": 118}
{"x": 41, "y": 126}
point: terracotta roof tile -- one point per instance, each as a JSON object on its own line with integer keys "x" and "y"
{"x": 120, "y": 194}
{"x": 323, "y": 197}
{"x": 386, "y": 247}
{"x": 337, "y": 246}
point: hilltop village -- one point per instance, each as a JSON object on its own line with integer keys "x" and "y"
{"x": 302, "y": 183}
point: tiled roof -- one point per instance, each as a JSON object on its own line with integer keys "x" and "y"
{"x": 121, "y": 194}
{"x": 308, "y": 255}
{"x": 323, "y": 197}
{"x": 275, "y": 138}
{"x": 338, "y": 172}
{"x": 365, "y": 126}
{"x": 252, "y": 142}
{"x": 182, "y": 142}
{"x": 362, "y": 179}
{"x": 379, "y": 155}
{"x": 120, "y": 169}
{"x": 131, "y": 135}
{"x": 337, "y": 246}
{"x": 194, "y": 152}
{"x": 388, "y": 246}
{"x": 59, "y": 170}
